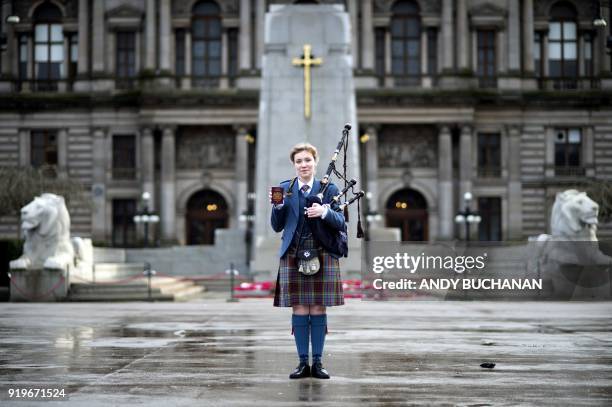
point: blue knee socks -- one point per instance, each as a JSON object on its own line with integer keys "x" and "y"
{"x": 301, "y": 333}
{"x": 318, "y": 329}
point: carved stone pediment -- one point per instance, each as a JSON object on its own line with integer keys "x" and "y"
{"x": 426, "y": 6}
{"x": 487, "y": 10}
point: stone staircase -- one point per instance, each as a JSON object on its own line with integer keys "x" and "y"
{"x": 127, "y": 282}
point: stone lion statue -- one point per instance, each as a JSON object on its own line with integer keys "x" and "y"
{"x": 573, "y": 219}
{"x": 45, "y": 223}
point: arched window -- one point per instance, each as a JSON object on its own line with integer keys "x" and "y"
{"x": 206, "y": 43}
{"x": 48, "y": 46}
{"x": 562, "y": 41}
{"x": 405, "y": 39}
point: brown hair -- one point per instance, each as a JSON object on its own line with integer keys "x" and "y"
{"x": 298, "y": 148}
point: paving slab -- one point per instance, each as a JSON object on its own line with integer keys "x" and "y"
{"x": 213, "y": 353}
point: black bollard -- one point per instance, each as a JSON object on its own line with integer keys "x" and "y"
{"x": 232, "y": 271}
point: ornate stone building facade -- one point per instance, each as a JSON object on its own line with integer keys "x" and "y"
{"x": 506, "y": 99}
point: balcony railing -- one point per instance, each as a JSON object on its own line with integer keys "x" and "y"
{"x": 489, "y": 172}
{"x": 569, "y": 83}
{"x": 487, "y": 82}
{"x": 569, "y": 171}
{"x": 43, "y": 85}
{"x": 124, "y": 173}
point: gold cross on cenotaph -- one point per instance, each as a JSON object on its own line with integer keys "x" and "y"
{"x": 307, "y": 61}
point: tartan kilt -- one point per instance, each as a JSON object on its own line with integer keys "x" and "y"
{"x": 294, "y": 288}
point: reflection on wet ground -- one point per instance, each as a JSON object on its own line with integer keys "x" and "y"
{"x": 214, "y": 353}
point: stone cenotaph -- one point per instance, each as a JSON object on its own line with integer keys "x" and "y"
{"x": 307, "y": 95}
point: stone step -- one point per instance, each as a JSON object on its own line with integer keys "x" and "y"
{"x": 109, "y": 255}
{"x": 162, "y": 289}
{"x": 219, "y": 284}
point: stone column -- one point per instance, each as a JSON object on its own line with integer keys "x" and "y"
{"x": 82, "y": 64}
{"x": 260, "y": 12}
{"x": 603, "y": 34}
{"x": 97, "y": 47}
{"x": 462, "y": 36}
{"x": 245, "y": 35}
{"x": 24, "y": 147}
{"x": 165, "y": 36}
{"x": 515, "y": 192}
{"x": 424, "y": 55}
{"x": 588, "y": 151}
{"x": 445, "y": 184}
{"x": 545, "y": 67}
{"x": 581, "y": 61}
{"x": 514, "y": 45}
{"x": 528, "y": 65}
{"x": 168, "y": 185}
{"x": 241, "y": 169}
{"x": 150, "y": 43}
{"x": 466, "y": 162}
{"x": 447, "y": 36}
{"x": 62, "y": 153}
{"x": 187, "y": 79}
{"x": 353, "y": 12}
{"x": 371, "y": 158}
{"x": 368, "y": 35}
{"x": 147, "y": 164}
{"x": 98, "y": 187}
{"x": 224, "y": 81}
{"x": 501, "y": 52}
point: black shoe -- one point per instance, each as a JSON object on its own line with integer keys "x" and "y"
{"x": 318, "y": 371}
{"x": 303, "y": 370}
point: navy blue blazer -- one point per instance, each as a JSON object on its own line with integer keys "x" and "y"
{"x": 286, "y": 218}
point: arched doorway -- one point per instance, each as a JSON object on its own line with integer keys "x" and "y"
{"x": 407, "y": 210}
{"x": 206, "y": 211}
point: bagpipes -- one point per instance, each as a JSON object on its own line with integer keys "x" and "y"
{"x": 333, "y": 240}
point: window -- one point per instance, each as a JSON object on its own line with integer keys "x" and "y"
{"x": 489, "y": 229}
{"x": 562, "y": 45}
{"x": 568, "y": 147}
{"x": 432, "y": 51}
{"x": 206, "y": 44}
{"x": 124, "y": 157}
{"x": 126, "y": 59}
{"x": 537, "y": 54}
{"x": 380, "y": 55}
{"x": 43, "y": 150}
{"x": 48, "y": 47}
{"x": 486, "y": 59}
{"x": 124, "y": 229}
{"x": 489, "y": 156}
{"x": 179, "y": 53}
{"x": 406, "y": 42}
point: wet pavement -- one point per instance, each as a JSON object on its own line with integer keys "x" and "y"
{"x": 209, "y": 352}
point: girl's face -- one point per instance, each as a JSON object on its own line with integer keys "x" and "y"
{"x": 305, "y": 165}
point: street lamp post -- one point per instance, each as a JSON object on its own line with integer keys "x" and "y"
{"x": 145, "y": 216}
{"x": 467, "y": 216}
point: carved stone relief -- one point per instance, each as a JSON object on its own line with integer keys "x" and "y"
{"x": 407, "y": 146}
{"x": 206, "y": 147}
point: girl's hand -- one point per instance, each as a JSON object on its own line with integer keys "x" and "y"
{"x": 315, "y": 211}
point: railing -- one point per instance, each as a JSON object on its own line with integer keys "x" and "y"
{"x": 487, "y": 82}
{"x": 569, "y": 83}
{"x": 489, "y": 172}
{"x": 569, "y": 171}
{"x": 43, "y": 85}
{"x": 124, "y": 173}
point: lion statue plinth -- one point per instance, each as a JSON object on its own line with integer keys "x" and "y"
{"x": 45, "y": 224}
